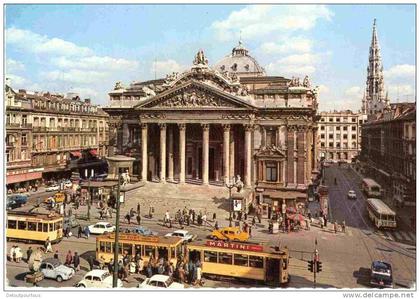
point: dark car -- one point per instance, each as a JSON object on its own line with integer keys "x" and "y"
{"x": 20, "y": 199}
{"x": 12, "y": 204}
{"x": 381, "y": 275}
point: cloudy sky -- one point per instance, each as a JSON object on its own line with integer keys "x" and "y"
{"x": 87, "y": 48}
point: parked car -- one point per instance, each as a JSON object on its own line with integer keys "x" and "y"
{"x": 58, "y": 197}
{"x": 52, "y": 188}
{"x": 381, "y": 275}
{"x": 101, "y": 228}
{"x": 184, "y": 234}
{"x": 144, "y": 231}
{"x": 160, "y": 282}
{"x": 230, "y": 233}
{"x": 20, "y": 199}
{"x": 54, "y": 269}
{"x": 100, "y": 177}
{"x": 98, "y": 279}
{"x": 351, "y": 195}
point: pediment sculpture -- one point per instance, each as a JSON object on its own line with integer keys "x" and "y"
{"x": 194, "y": 98}
{"x": 200, "y": 58}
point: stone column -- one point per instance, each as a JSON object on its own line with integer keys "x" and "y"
{"x": 232, "y": 154}
{"x": 162, "y": 153}
{"x": 226, "y": 133}
{"x": 182, "y": 153}
{"x": 144, "y": 152}
{"x": 248, "y": 131}
{"x": 171, "y": 154}
{"x": 206, "y": 131}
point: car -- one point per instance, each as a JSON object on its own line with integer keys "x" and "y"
{"x": 101, "y": 228}
{"x": 100, "y": 177}
{"x": 52, "y": 188}
{"x": 54, "y": 269}
{"x": 230, "y": 233}
{"x": 381, "y": 275}
{"x": 159, "y": 281}
{"x": 70, "y": 222}
{"x": 184, "y": 234}
{"x": 20, "y": 199}
{"x": 144, "y": 231}
{"x": 12, "y": 204}
{"x": 98, "y": 279}
{"x": 351, "y": 195}
{"x": 58, "y": 197}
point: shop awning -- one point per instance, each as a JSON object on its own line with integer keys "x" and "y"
{"x": 23, "y": 177}
{"x": 93, "y": 152}
{"x": 76, "y": 154}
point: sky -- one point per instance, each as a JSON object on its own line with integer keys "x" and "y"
{"x": 88, "y": 48}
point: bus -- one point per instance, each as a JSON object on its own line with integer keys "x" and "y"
{"x": 371, "y": 188}
{"x": 380, "y": 214}
{"x": 132, "y": 244}
{"x": 242, "y": 260}
{"x": 34, "y": 227}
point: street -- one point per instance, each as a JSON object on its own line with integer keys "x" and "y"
{"x": 346, "y": 256}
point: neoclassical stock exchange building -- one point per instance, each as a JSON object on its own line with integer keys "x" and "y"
{"x": 212, "y": 123}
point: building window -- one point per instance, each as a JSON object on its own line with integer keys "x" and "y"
{"x": 322, "y": 136}
{"x": 331, "y": 136}
{"x": 322, "y": 119}
{"x": 331, "y": 120}
{"x": 331, "y": 144}
{"x": 271, "y": 172}
{"x": 345, "y": 136}
{"x": 353, "y": 119}
{"x": 353, "y": 136}
{"x": 337, "y": 119}
{"x": 24, "y": 139}
{"x": 353, "y": 128}
{"x": 322, "y": 128}
{"x": 322, "y": 144}
{"x": 338, "y": 128}
{"x": 344, "y": 128}
{"x": 337, "y": 145}
{"x": 337, "y": 136}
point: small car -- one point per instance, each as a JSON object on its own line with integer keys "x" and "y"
{"x": 98, "y": 279}
{"x": 184, "y": 234}
{"x": 101, "y": 228}
{"x": 381, "y": 275}
{"x": 59, "y": 197}
{"x": 141, "y": 230}
{"x": 351, "y": 195}
{"x": 54, "y": 269}
{"x": 230, "y": 233}
{"x": 20, "y": 199}
{"x": 12, "y": 204}
{"x": 53, "y": 188}
{"x": 160, "y": 282}
{"x": 100, "y": 177}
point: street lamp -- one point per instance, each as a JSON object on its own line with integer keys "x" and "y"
{"x": 230, "y": 184}
{"x": 117, "y": 234}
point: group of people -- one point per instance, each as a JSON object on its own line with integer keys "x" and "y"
{"x": 187, "y": 217}
{"x": 130, "y": 215}
{"x": 16, "y": 254}
{"x": 72, "y": 260}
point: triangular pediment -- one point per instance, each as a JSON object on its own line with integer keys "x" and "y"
{"x": 271, "y": 151}
{"x": 194, "y": 94}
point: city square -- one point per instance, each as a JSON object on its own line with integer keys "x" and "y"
{"x": 220, "y": 173}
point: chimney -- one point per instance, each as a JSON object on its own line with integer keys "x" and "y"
{"x": 87, "y": 101}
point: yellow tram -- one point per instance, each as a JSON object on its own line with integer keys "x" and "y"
{"x": 34, "y": 226}
{"x": 242, "y": 260}
{"x": 133, "y": 244}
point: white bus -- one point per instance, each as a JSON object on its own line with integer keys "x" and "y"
{"x": 371, "y": 188}
{"x": 380, "y": 214}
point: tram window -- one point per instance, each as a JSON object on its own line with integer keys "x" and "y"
{"x": 40, "y": 227}
{"x": 120, "y": 248}
{"x": 240, "y": 260}
{"x": 149, "y": 250}
{"x": 138, "y": 250}
{"x": 163, "y": 252}
{"x": 32, "y": 226}
{"x": 128, "y": 248}
{"x": 102, "y": 246}
{"x": 58, "y": 225}
{"x": 255, "y": 261}
{"x": 22, "y": 225}
{"x": 11, "y": 224}
{"x": 45, "y": 227}
{"x": 284, "y": 264}
{"x": 108, "y": 247}
{"x": 225, "y": 258}
{"x": 210, "y": 256}
{"x": 173, "y": 254}
{"x": 51, "y": 226}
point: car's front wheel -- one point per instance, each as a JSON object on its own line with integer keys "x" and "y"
{"x": 81, "y": 286}
{"x": 59, "y": 278}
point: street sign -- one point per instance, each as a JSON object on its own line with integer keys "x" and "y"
{"x": 236, "y": 246}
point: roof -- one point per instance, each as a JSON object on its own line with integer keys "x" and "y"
{"x": 17, "y": 214}
{"x": 96, "y": 272}
{"x": 134, "y": 237}
{"x": 370, "y": 182}
{"x": 181, "y": 231}
{"x": 160, "y": 277}
{"x": 102, "y": 222}
{"x": 55, "y": 262}
{"x": 380, "y": 206}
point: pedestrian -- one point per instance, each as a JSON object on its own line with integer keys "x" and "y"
{"x": 127, "y": 217}
{"x": 214, "y": 217}
{"x": 149, "y": 270}
{"x": 253, "y": 221}
{"x": 335, "y": 227}
{"x": 18, "y": 254}
{"x": 310, "y": 216}
{"x": 132, "y": 213}
{"x": 101, "y": 214}
{"x": 28, "y": 254}
{"x": 204, "y": 220}
{"x": 132, "y": 267}
{"x": 91, "y": 262}
{"x": 76, "y": 262}
{"x": 140, "y": 265}
{"x": 166, "y": 218}
{"x": 246, "y": 216}
{"x": 321, "y": 222}
{"x": 48, "y": 247}
{"x": 193, "y": 216}
{"x": 216, "y": 225}
{"x": 151, "y": 210}
{"x": 325, "y": 220}
{"x": 250, "y": 231}
{"x": 111, "y": 266}
{"x": 138, "y": 208}
{"x": 56, "y": 254}
{"x": 79, "y": 232}
{"x": 69, "y": 258}
{"x": 138, "y": 218}
{"x": 344, "y": 226}
{"x": 13, "y": 253}
{"x": 87, "y": 232}
{"x": 308, "y": 224}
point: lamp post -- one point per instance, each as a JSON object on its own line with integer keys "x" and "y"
{"x": 230, "y": 184}
{"x": 117, "y": 235}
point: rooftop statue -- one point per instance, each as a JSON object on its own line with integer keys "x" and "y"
{"x": 306, "y": 82}
{"x": 200, "y": 58}
{"x": 118, "y": 85}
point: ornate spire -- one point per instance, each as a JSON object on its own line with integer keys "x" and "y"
{"x": 375, "y": 90}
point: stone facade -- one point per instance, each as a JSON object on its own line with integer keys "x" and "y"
{"x": 339, "y": 135}
{"x": 205, "y": 126}
{"x": 48, "y": 135}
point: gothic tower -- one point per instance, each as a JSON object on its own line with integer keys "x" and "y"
{"x": 374, "y": 100}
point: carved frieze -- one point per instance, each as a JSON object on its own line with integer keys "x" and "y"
{"x": 238, "y": 116}
{"x": 152, "y": 116}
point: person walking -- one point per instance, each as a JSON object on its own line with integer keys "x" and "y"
{"x": 13, "y": 253}
{"x": 48, "y": 247}
{"x": 127, "y": 217}
{"x": 138, "y": 208}
{"x": 138, "y": 218}
{"x": 111, "y": 266}
{"x": 18, "y": 254}
{"x": 204, "y": 220}
{"x": 87, "y": 232}
{"x": 308, "y": 224}
{"x": 69, "y": 258}
{"x": 216, "y": 225}
{"x": 56, "y": 254}
{"x": 79, "y": 232}
{"x": 76, "y": 262}
{"x": 91, "y": 262}
{"x": 253, "y": 221}
{"x": 343, "y": 226}
{"x": 335, "y": 227}
{"x": 214, "y": 216}
{"x": 28, "y": 254}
